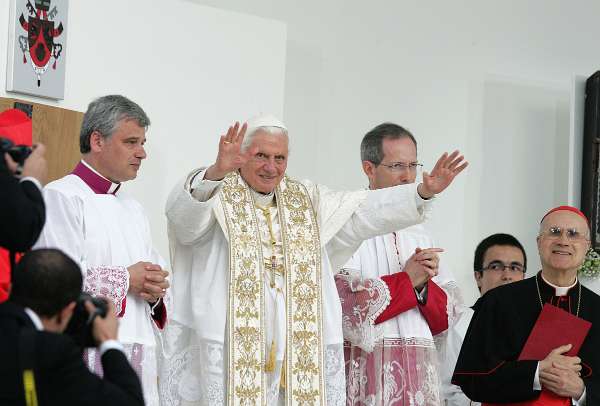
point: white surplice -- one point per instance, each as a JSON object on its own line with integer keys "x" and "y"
{"x": 395, "y": 362}
{"x": 104, "y": 234}
{"x": 452, "y": 394}
{"x": 195, "y": 370}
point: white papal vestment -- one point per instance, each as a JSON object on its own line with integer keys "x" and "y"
{"x": 195, "y": 371}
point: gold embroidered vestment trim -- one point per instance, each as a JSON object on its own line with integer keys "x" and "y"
{"x": 302, "y": 257}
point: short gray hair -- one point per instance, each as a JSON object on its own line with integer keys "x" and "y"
{"x": 104, "y": 114}
{"x": 268, "y": 129}
{"x": 371, "y": 147}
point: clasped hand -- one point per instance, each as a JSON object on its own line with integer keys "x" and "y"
{"x": 561, "y": 374}
{"x": 422, "y": 266}
{"x": 148, "y": 280}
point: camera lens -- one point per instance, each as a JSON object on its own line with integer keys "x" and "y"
{"x": 19, "y": 153}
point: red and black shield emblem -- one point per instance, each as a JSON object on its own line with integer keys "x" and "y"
{"x": 41, "y": 40}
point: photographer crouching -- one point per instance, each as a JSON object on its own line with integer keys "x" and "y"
{"x": 23, "y": 171}
{"x": 41, "y": 365}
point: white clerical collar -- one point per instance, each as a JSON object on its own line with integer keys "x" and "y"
{"x": 560, "y": 290}
{"x": 261, "y": 199}
{"x": 35, "y": 319}
{"x": 113, "y": 187}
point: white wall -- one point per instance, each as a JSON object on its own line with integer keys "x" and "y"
{"x": 194, "y": 69}
{"x": 491, "y": 78}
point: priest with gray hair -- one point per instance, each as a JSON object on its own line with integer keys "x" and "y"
{"x": 257, "y": 318}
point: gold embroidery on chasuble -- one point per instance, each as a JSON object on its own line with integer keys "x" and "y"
{"x": 302, "y": 256}
{"x": 246, "y": 384}
{"x": 302, "y": 248}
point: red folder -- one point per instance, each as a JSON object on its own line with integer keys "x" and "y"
{"x": 554, "y": 328}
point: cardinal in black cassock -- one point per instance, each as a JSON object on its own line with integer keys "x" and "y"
{"x": 487, "y": 369}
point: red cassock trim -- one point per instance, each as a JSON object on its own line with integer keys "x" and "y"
{"x": 123, "y": 305}
{"x": 435, "y": 308}
{"x": 160, "y": 315}
{"x": 491, "y": 371}
{"x": 586, "y": 370}
{"x": 402, "y": 294}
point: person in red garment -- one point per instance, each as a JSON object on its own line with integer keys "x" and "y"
{"x": 395, "y": 295}
{"x": 22, "y": 210}
{"x": 488, "y": 369}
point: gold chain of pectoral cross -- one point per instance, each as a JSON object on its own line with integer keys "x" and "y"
{"x": 272, "y": 264}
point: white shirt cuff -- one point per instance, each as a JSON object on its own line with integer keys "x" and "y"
{"x": 110, "y": 345}
{"x": 581, "y": 400}
{"x": 34, "y": 180}
{"x": 536, "y": 379}
{"x": 202, "y": 189}
{"x": 538, "y": 386}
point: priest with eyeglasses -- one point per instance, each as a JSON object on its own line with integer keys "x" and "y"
{"x": 496, "y": 364}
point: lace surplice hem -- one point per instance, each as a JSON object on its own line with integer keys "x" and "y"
{"x": 111, "y": 282}
{"x": 195, "y": 375}
{"x": 143, "y": 359}
{"x": 399, "y": 372}
{"x": 363, "y": 300}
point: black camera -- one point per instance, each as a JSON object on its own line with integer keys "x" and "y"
{"x": 18, "y": 153}
{"x": 80, "y": 325}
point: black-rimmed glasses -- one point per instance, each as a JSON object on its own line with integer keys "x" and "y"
{"x": 499, "y": 266}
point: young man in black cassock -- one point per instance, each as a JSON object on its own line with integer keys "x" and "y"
{"x": 487, "y": 369}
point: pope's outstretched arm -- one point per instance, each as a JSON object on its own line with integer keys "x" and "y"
{"x": 391, "y": 209}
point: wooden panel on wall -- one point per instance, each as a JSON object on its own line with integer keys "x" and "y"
{"x": 56, "y": 128}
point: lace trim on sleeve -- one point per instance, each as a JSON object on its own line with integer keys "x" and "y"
{"x": 454, "y": 302}
{"x": 454, "y": 309}
{"x": 363, "y": 300}
{"x": 111, "y": 282}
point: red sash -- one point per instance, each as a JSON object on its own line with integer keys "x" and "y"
{"x": 4, "y": 274}
{"x": 546, "y": 398}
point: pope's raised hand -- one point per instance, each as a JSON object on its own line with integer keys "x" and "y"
{"x": 442, "y": 174}
{"x": 231, "y": 156}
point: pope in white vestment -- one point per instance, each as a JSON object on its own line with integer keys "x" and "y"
{"x": 106, "y": 231}
{"x": 257, "y": 317}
